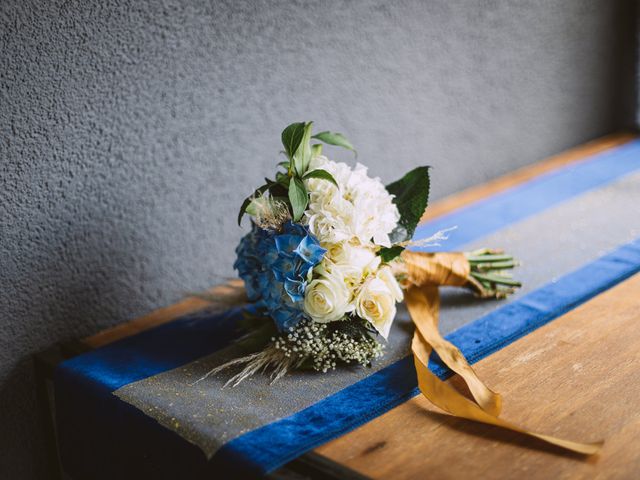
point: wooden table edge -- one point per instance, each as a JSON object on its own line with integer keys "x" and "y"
{"x": 312, "y": 463}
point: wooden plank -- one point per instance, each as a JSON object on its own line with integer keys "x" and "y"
{"x": 400, "y": 447}
{"x": 441, "y": 207}
{"x": 577, "y": 377}
{"x": 577, "y": 154}
{"x": 164, "y": 315}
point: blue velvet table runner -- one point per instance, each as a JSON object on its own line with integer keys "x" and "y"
{"x": 101, "y": 436}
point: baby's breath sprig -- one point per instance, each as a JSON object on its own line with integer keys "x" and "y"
{"x": 323, "y": 346}
{"x": 318, "y": 346}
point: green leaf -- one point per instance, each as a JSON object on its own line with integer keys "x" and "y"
{"x": 247, "y": 201}
{"x": 254, "y": 205}
{"x": 319, "y": 173}
{"x": 337, "y": 139}
{"x": 283, "y": 179}
{"x": 298, "y": 197}
{"x": 302, "y": 155}
{"x": 389, "y": 253}
{"x": 411, "y": 197}
{"x": 291, "y": 138}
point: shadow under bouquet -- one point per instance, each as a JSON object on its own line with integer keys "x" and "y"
{"x": 328, "y": 259}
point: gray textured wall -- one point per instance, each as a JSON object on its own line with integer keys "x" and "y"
{"x": 130, "y": 132}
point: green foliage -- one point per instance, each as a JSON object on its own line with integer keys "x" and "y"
{"x": 319, "y": 173}
{"x": 247, "y": 201}
{"x": 302, "y": 156}
{"x": 337, "y": 139}
{"x": 411, "y": 197}
{"x": 292, "y": 137}
{"x": 388, "y": 254}
{"x": 298, "y": 197}
{"x": 289, "y": 185}
{"x": 316, "y": 150}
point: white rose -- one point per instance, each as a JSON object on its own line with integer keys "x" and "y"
{"x": 354, "y": 262}
{"x": 377, "y": 305}
{"x": 326, "y": 299}
{"x": 352, "y": 276}
{"x": 346, "y": 253}
{"x": 386, "y": 275}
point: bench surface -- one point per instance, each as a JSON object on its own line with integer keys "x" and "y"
{"x": 577, "y": 377}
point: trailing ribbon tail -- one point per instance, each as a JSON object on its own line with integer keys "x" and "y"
{"x": 425, "y": 273}
{"x": 424, "y": 315}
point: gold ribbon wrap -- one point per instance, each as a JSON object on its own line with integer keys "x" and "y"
{"x": 425, "y": 273}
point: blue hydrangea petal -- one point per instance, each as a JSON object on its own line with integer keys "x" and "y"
{"x": 271, "y": 290}
{"x": 252, "y": 288}
{"x": 270, "y": 256}
{"x": 287, "y": 244}
{"x": 275, "y": 267}
{"x": 295, "y": 289}
{"x": 285, "y": 267}
{"x": 310, "y": 250}
{"x": 302, "y": 270}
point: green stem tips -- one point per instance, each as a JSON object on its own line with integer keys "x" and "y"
{"x": 490, "y": 272}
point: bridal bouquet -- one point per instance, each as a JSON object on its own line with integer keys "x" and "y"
{"x": 323, "y": 263}
{"x": 329, "y": 257}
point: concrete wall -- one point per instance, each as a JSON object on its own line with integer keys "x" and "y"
{"x": 131, "y": 131}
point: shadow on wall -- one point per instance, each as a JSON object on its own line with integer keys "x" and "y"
{"x": 84, "y": 276}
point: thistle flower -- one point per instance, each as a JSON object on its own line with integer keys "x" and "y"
{"x": 268, "y": 213}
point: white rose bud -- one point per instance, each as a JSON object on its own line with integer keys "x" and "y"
{"x": 386, "y": 275}
{"x": 346, "y": 253}
{"x": 376, "y": 304}
{"x": 354, "y": 262}
{"x": 326, "y": 299}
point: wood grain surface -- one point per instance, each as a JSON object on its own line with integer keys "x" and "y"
{"x": 439, "y": 208}
{"x": 166, "y": 314}
{"x": 578, "y": 377}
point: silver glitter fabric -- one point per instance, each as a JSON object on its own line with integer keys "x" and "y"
{"x": 549, "y": 244}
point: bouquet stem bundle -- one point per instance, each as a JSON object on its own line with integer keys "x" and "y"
{"x": 489, "y": 271}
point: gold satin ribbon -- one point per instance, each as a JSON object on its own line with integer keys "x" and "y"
{"x": 425, "y": 273}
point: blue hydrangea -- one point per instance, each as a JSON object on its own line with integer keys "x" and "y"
{"x": 276, "y": 267}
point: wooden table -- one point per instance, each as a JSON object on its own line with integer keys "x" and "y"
{"x": 563, "y": 379}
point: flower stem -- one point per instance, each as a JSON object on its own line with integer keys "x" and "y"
{"x": 490, "y": 274}
{"x": 497, "y": 279}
